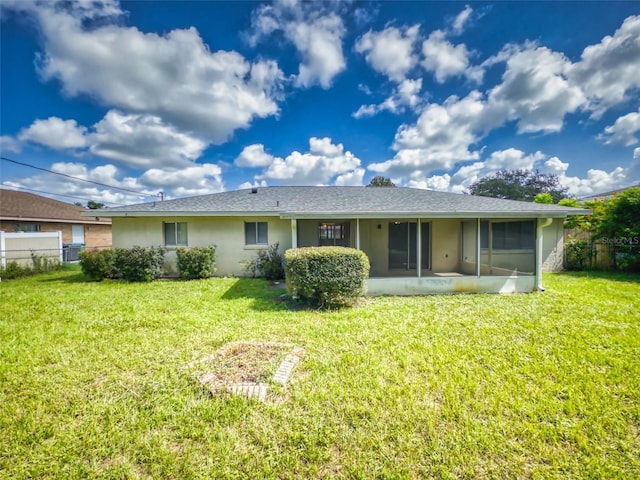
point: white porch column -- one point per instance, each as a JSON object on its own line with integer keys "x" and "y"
{"x": 294, "y": 233}
{"x": 542, "y": 223}
{"x": 358, "y": 233}
{"x": 419, "y": 247}
{"x": 478, "y": 248}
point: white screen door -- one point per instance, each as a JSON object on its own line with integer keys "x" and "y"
{"x": 77, "y": 233}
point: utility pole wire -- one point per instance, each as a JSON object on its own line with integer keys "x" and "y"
{"x": 78, "y": 178}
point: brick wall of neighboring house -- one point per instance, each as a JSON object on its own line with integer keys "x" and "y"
{"x": 95, "y": 236}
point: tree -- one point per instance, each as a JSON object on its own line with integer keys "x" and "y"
{"x": 94, "y": 205}
{"x": 380, "y": 181}
{"x": 620, "y": 227}
{"x": 544, "y": 198}
{"x": 519, "y": 185}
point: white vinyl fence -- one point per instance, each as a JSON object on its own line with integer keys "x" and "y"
{"x": 20, "y": 247}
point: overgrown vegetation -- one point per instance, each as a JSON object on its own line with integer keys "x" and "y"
{"x": 540, "y": 386}
{"x": 196, "y": 262}
{"x": 615, "y": 224}
{"x": 139, "y": 264}
{"x": 98, "y": 264}
{"x": 268, "y": 264}
{"x": 327, "y": 276}
{"x": 136, "y": 264}
{"x": 39, "y": 264}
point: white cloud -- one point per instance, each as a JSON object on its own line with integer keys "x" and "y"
{"x": 435, "y": 182}
{"x": 316, "y": 33}
{"x": 194, "y": 180}
{"x": 535, "y": 91}
{"x": 174, "y": 76}
{"x": 253, "y": 156}
{"x": 446, "y": 60}
{"x": 143, "y": 141}
{"x": 608, "y": 71}
{"x": 442, "y": 136}
{"x": 405, "y": 95}
{"x": 623, "y": 131}
{"x": 461, "y": 20}
{"x": 324, "y": 162}
{"x": 253, "y": 184}
{"x": 9, "y": 144}
{"x": 390, "y": 51}
{"x": 55, "y": 133}
{"x": 350, "y": 179}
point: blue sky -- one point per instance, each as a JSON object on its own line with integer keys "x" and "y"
{"x": 191, "y": 98}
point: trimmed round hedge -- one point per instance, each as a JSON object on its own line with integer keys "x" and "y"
{"x": 326, "y": 276}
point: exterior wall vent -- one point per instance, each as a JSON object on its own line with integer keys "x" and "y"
{"x": 254, "y": 190}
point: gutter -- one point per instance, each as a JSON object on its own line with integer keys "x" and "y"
{"x": 544, "y": 223}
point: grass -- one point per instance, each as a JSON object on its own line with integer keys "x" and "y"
{"x": 544, "y": 385}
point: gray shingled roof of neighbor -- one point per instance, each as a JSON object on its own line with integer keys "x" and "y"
{"x": 341, "y": 202}
{"x": 23, "y": 206}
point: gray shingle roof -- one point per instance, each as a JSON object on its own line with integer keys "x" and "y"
{"x": 296, "y": 202}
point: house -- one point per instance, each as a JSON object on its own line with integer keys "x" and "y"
{"x": 418, "y": 241}
{"x": 27, "y": 212}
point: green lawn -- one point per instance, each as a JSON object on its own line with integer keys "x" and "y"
{"x": 544, "y": 385}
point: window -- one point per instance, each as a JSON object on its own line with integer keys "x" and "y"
{"x": 27, "y": 227}
{"x": 256, "y": 233}
{"x": 175, "y": 234}
{"x": 333, "y": 234}
{"x": 508, "y": 235}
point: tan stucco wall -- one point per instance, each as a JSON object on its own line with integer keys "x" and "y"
{"x": 226, "y": 233}
{"x": 552, "y": 251}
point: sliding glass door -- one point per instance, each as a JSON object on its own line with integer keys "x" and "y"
{"x": 403, "y": 245}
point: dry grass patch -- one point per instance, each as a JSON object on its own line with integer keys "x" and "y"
{"x": 239, "y": 366}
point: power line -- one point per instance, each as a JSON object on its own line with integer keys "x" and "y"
{"x": 52, "y": 193}
{"x": 77, "y": 178}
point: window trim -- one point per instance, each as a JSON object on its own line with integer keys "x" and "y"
{"x": 175, "y": 225}
{"x": 256, "y": 234}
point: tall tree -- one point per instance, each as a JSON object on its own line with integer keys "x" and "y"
{"x": 519, "y": 184}
{"x": 380, "y": 181}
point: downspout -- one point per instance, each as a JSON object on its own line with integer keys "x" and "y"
{"x": 542, "y": 223}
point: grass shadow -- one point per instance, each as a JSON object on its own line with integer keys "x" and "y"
{"x": 265, "y": 295}
{"x": 603, "y": 275}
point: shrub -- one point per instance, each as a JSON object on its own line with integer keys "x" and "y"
{"x": 579, "y": 254}
{"x": 14, "y": 270}
{"x": 267, "y": 264}
{"x": 42, "y": 264}
{"x": 196, "y": 262}
{"x": 139, "y": 264}
{"x": 98, "y": 265}
{"x": 326, "y": 276}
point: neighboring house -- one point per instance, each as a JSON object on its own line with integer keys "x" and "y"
{"x": 26, "y": 212}
{"x": 606, "y": 195}
{"x": 418, "y": 241}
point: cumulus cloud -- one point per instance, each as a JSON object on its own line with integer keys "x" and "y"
{"x": 535, "y": 91}
{"x": 324, "y": 163}
{"x": 442, "y": 136}
{"x": 405, "y": 95}
{"x": 315, "y": 32}
{"x": 174, "y": 76}
{"x": 142, "y": 141}
{"x": 194, "y": 180}
{"x": 55, "y": 133}
{"x": 623, "y": 131}
{"x": 253, "y": 156}
{"x": 608, "y": 71}
{"x": 390, "y": 51}
{"x": 9, "y": 144}
{"x": 446, "y": 60}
